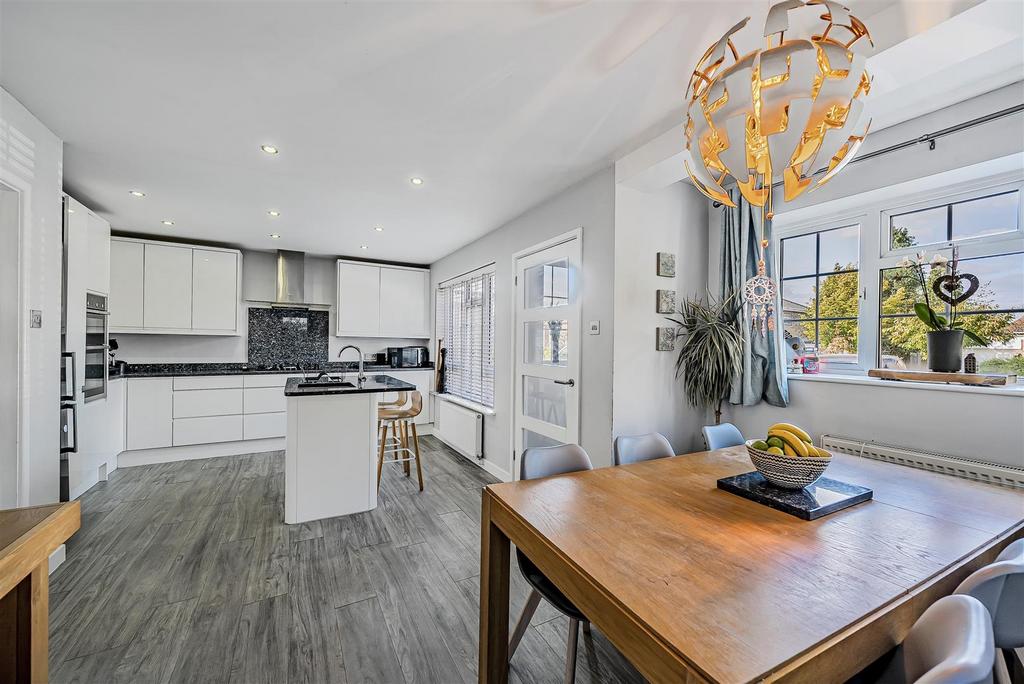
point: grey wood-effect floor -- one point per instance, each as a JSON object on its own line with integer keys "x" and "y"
{"x": 185, "y": 572}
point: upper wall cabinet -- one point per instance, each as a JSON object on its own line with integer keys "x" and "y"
{"x": 97, "y": 275}
{"x": 160, "y": 287}
{"x": 382, "y": 301}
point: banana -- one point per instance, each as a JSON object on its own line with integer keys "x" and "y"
{"x": 821, "y": 452}
{"x": 789, "y": 427}
{"x": 797, "y": 444}
{"x": 788, "y": 450}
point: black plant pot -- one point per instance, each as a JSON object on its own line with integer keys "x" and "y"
{"x": 945, "y": 349}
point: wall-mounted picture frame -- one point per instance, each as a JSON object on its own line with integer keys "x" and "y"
{"x": 666, "y": 264}
{"x": 666, "y": 339}
{"x": 666, "y": 302}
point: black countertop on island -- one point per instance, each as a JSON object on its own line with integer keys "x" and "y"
{"x": 159, "y": 370}
{"x": 373, "y": 383}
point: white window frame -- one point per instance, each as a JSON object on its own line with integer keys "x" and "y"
{"x": 439, "y": 326}
{"x": 873, "y": 217}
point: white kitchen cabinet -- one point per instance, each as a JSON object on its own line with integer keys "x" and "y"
{"x": 214, "y": 290}
{"x": 98, "y": 248}
{"x": 127, "y": 266}
{"x": 265, "y": 425}
{"x": 403, "y": 302}
{"x": 208, "y": 402}
{"x": 208, "y": 430}
{"x": 263, "y": 400}
{"x": 382, "y": 301}
{"x": 150, "y": 413}
{"x": 358, "y": 300}
{"x": 200, "y": 382}
{"x": 167, "y": 295}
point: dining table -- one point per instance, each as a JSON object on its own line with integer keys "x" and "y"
{"x": 692, "y": 583}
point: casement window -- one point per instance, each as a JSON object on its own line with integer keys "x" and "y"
{"x": 843, "y": 293}
{"x": 465, "y": 326}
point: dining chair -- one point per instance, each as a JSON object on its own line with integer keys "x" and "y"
{"x": 540, "y": 462}
{"x": 951, "y": 643}
{"x": 636, "y": 448}
{"x": 1000, "y": 588}
{"x": 721, "y": 436}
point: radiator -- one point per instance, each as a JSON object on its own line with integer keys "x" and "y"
{"x": 991, "y": 473}
{"x": 460, "y": 428}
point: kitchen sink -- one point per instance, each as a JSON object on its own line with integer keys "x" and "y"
{"x": 326, "y": 382}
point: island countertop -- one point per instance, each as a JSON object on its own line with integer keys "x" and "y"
{"x": 373, "y": 383}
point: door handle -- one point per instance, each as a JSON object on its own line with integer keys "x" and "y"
{"x": 570, "y": 382}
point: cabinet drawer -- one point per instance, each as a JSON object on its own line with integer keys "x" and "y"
{"x": 149, "y": 413}
{"x": 263, "y": 400}
{"x": 207, "y": 430}
{"x": 209, "y": 402}
{"x": 277, "y": 380}
{"x": 208, "y": 382}
{"x": 264, "y": 425}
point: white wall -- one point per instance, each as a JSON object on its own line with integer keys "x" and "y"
{"x": 957, "y": 423}
{"x": 647, "y": 395}
{"x": 258, "y": 276}
{"x": 31, "y": 160}
{"x": 589, "y": 204}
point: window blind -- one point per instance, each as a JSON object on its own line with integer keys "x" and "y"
{"x": 465, "y": 316}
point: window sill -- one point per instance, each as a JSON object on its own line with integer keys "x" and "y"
{"x": 465, "y": 403}
{"x": 1016, "y": 390}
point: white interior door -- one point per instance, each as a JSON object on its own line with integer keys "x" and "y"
{"x": 547, "y": 348}
{"x": 11, "y": 475}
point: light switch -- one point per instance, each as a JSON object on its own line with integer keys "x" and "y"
{"x": 594, "y": 327}
{"x": 35, "y": 318}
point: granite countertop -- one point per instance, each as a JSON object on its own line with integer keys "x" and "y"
{"x": 157, "y": 370}
{"x": 373, "y": 383}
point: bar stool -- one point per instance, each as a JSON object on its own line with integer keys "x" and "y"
{"x": 401, "y": 421}
{"x": 399, "y": 401}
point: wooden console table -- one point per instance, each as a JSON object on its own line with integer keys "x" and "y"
{"x": 27, "y": 538}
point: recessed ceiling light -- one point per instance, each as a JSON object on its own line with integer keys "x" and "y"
{"x": 137, "y": 193}
{"x": 275, "y": 236}
{"x": 269, "y": 149}
{"x": 275, "y": 213}
{"x": 167, "y": 223}
{"x": 379, "y": 229}
{"x": 363, "y": 247}
{"x": 416, "y": 181}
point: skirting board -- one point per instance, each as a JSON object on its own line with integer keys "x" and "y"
{"x": 56, "y": 558}
{"x": 196, "y": 451}
{"x": 493, "y": 469}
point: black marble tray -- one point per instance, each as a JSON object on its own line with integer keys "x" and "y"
{"x": 810, "y": 503}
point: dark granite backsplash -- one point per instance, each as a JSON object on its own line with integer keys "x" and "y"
{"x": 292, "y": 336}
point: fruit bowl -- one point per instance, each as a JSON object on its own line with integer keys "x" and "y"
{"x": 788, "y": 472}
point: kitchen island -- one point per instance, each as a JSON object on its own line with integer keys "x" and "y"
{"x": 331, "y": 445}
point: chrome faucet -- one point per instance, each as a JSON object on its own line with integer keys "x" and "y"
{"x": 362, "y": 375}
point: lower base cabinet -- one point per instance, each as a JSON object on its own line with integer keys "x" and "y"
{"x": 207, "y": 430}
{"x": 264, "y": 425}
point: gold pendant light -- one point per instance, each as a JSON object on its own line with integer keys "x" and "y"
{"x": 780, "y": 113}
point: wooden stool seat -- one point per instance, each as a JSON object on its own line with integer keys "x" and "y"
{"x": 400, "y": 419}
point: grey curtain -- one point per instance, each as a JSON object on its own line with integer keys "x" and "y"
{"x": 764, "y": 374}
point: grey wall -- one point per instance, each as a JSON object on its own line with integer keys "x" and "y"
{"x": 648, "y": 396}
{"x": 589, "y": 204}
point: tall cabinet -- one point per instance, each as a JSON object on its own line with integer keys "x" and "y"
{"x": 161, "y": 287}
{"x": 382, "y": 301}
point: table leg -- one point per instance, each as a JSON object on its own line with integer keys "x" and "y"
{"x": 494, "y": 578}
{"x": 23, "y": 629}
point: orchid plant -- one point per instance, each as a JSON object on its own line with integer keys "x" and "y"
{"x": 948, "y": 288}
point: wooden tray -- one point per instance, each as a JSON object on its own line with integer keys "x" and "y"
{"x": 988, "y": 380}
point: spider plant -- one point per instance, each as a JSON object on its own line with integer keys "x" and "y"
{"x": 710, "y": 350}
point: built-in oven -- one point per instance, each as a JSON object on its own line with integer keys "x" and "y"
{"x": 95, "y": 365}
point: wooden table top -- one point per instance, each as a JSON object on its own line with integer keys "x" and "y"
{"x": 29, "y": 535}
{"x": 736, "y": 590}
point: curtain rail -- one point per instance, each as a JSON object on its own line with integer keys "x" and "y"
{"x": 929, "y": 138}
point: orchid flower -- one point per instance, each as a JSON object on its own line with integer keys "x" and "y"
{"x": 939, "y": 261}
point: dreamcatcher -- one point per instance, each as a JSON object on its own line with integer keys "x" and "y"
{"x": 759, "y": 292}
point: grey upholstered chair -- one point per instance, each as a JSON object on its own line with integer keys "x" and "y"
{"x": 1000, "y": 588}
{"x": 540, "y": 462}
{"x": 636, "y": 448}
{"x": 721, "y": 436}
{"x": 951, "y": 643}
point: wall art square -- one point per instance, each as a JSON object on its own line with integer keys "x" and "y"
{"x": 666, "y": 301}
{"x": 666, "y": 339}
{"x": 667, "y": 264}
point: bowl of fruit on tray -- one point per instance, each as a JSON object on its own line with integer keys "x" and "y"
{"x": 787, "y": 457}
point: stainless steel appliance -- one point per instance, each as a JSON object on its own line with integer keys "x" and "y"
{"x": 67, "y": 376}
{"x": 96, "y": 315}
{"x": 408, "y": 357}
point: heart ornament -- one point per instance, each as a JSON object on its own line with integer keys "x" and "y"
{"x": 946, "y": 286}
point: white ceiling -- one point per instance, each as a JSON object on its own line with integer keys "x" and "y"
{"x": 496, "y": 105}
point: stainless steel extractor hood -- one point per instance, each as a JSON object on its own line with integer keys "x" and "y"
{"x": 291, "y": 276}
